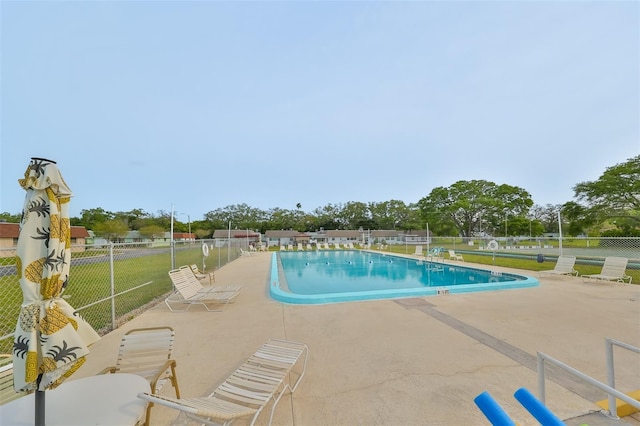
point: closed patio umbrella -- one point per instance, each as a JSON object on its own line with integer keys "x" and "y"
{"x": 51, "y": 339}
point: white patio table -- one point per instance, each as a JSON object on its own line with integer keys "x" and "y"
{"x": 108, "y": 399}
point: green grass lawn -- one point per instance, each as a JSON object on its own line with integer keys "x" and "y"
{"x": 92, "y": 282}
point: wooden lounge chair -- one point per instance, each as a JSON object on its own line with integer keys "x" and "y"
{"x": 189, "y": 291}
{"x": 248, "y": 390}
{"x": 564, "y": 266}
{"x": 202, "y": 274}
{"x": 614, "y": 269}
{"x": 147, "y": 353}
{"x": 454, "y": 256}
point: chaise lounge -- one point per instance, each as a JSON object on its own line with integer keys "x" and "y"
{"x": 564, "y": 266}
{"x": 247, "y": 391}
{"x": 189, "y": 291}
{"x": 614, "y": 269}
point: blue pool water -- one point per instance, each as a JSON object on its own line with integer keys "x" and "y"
{"x": 313, "y": 277}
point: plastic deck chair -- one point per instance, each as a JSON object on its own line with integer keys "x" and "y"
{"x": 454, "y": 256}
{"x": 614, "y": 269}
{"x": 564, "y": 266}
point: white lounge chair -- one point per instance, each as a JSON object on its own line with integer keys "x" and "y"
{"x": 246, "y": 392}
{"x": 245, "y": 253}
{"x": 204, "y": 288}
{"x": 614, "y": 269}
{"x": 454, "y": 256}
{"x": 564, "y": 266}
{"x": 189, "y": 291}
{"x": 418, "y": 251}
{"x": 326, "y": 246}
{"x": 337, "y": 246}
{"x": 299, "y": 248}
{"x": 7, "y": 392}
{"x": 289, "y": 247}
{"x": 147, "y": 353}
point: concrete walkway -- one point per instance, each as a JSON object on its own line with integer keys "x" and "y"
{"x": 418, "y": 361}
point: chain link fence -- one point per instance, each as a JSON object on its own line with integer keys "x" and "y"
{"x": 109, "y": 284}
{"x": 587, "y": 250}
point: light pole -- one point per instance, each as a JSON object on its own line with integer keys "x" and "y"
{"x": 505, "y": 228}
{"x": 560, "y": 231}
{"x": 173, "y": 257}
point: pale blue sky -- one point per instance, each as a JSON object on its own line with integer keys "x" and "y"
{"x": 205, "y": 104}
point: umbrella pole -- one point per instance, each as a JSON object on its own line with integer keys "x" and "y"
{"x": 40, "y": 405}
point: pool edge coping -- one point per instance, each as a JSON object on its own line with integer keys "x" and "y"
{"x": 276, "y": 292}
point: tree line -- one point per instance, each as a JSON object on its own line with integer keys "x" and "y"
{"x": 608, "y": 206}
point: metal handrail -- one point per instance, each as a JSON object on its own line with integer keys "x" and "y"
{"x": 611, "y": 377}
{"x": 613, "y": 393}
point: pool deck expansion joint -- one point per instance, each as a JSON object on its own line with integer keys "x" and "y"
{"x": 553, "y": 373}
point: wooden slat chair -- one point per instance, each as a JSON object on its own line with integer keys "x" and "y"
{"x": 146, "y": 352}
{"x": 203, "y": 274}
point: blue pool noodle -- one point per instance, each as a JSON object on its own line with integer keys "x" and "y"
{"x": 537, "y": 408}
{"x": 492, "y": 410}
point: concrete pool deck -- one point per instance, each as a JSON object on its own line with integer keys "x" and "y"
{"x": 417, "y": 361}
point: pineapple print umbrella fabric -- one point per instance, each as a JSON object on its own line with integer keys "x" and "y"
{"x": 51, "y": 340}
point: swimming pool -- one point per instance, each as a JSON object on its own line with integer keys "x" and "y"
{"x": 331, "y": 276}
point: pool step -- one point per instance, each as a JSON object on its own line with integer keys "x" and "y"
{"x": 623, "y": 408}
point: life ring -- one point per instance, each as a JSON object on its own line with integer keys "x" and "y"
{"x": 205, "y": 250}
{"x": 493, "y": 245}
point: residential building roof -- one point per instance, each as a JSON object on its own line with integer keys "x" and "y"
{"x": 343, "y": 233}
{"x": 234, "y": 233}
{"x": 12, "y": 230}
{"x": 281, "y": 233}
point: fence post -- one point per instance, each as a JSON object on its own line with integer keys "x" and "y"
{"x": 113, "y": 287}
